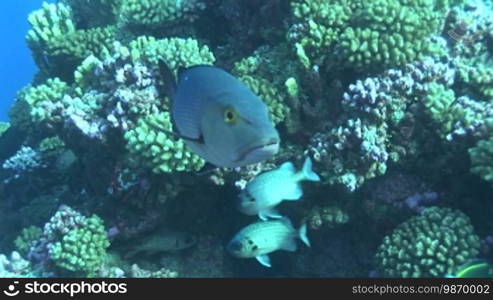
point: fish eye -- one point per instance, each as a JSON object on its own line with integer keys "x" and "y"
{"x": 230, "y": 115}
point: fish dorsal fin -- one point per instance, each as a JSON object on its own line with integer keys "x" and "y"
{"x": 169, "y": 88}
{"x": 288, "y": 166}
{"x": 168, "y": 78}
{"x": 264, "y": 260}
{"x": 170, "y": 85}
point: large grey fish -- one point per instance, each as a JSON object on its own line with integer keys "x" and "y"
{"x": 261, "y": 238}
{"x": 267, "y": 190}
{"x": 219, "y": 118}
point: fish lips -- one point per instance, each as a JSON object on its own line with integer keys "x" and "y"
{"x": 258, "y": 151}
{"x": 234, "y": 247}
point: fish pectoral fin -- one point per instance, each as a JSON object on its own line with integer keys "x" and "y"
{"x": 290, "y": 245}
{"x": 269, "y": 213}
{"x": 264, "y": 260}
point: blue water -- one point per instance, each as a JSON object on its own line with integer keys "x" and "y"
{"x": 16, "y": 64}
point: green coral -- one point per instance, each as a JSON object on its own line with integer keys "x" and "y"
{"x": 366, "y": 34}
{"x": 437, "y": 102}
{"x": 51, "y": 146}
{"x": 146, "y": 50}
{"x": 56, "y": 43}
{"x": 270, "y": 95}
{"x": 44, "y": 100}
{"x": 81, "y": 43}
{"x": 478, "y": 76}
{"x": 266, "y": 73}
{"x": 433, "y": 244}
{"x": 26, "y": 238}
{"x": 151, "y": 144}
{"x": 150, "y": 12}
{"x": 328, "y": 217}
{"x": 176, "y": 52}
{"x": 323, "y": 22}
{"x": 82, "y": 250}
{"x": 482, "y": 159}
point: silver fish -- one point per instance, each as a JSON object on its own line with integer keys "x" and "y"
{"x": 267, "y": 190}
{"x": 221, "y": 119}
{"x": 261, "y": 238}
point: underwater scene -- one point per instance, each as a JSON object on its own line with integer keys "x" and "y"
{"x": 251, "y": 138}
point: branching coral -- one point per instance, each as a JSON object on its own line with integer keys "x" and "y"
{"x": 482, "y": 159}
{"x": 433, "y": 244}
{"x": 57, "y": 45}
{"x": 82, "y": 249}
{"x": 72, "y": 241}
{"x": 154, "y": 13}
{"x": 26, "y": 238}
{"x": 14, "y": 266}
{"x": 365, "y": 35}
{"x": 374, "y": 127}
{"x": 151, "y": 145}
{"x": 45, "y": 100}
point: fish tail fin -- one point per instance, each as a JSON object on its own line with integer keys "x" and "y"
{"x": 303, "y": 236}
{"x": 307, "y": 171}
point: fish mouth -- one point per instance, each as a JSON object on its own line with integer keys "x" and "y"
{"x": 259, "y": 151}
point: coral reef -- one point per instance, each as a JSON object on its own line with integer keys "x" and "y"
{"x": 14, "y": 266}
{"x": 149, "y": 145}
{"x": 392, "y": 100}
{"x": 366, "y": 35}
{"x": 433, "y": 244}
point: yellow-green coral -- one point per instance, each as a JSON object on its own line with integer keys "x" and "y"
{"x": 482, "y": 159}
{"x": 82, "y": 250}
{"x": 56, "y": 43}
{"x": 365, "y": 34}
{"x": 45, "y": 100}
{"x": 176, "y": 52}
{"x": 150, "y": 144}
{"x": 81, "y": 43}
{"x": 433, "y": 244}
{"x": 51, "y": 146}
{"x": 262, "y": 75}
{"x": 270, "y": 95}
{"x": 326, "y": 217}
{"x": 149, "y": 12}
{"x": 24, "y": 240}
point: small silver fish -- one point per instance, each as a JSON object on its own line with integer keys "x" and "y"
{"x": 164, "y": 240}
{"x": 261, "y": 238}
{"x": 267, "y": 190}
{"x": 221, "y": 119}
